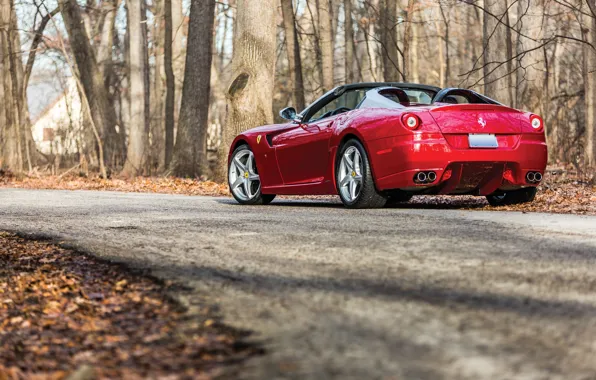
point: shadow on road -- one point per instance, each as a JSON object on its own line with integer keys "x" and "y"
{"x": 423, "y": 202}
{"x": 290, "y": 203}
{"x": 397, "y": 290}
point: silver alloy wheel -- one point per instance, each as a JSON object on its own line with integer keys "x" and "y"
{"x": 350, "y": 174}
{"x": 244, "y": 180}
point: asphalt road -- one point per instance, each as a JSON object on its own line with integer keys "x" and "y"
{"x": 336, "y": 293}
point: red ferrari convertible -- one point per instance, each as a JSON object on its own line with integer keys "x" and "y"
{"x": 380, "y": 143}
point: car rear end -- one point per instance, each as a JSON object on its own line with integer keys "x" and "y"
{"x": 461, "y": 149}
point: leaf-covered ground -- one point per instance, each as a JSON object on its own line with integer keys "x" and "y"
{"x": 62, "y": 312}
{"x": 562, "y": 191}
{"x": 165, "y": 185}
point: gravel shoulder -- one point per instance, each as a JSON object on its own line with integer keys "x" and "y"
{"x": 333, "y": 293}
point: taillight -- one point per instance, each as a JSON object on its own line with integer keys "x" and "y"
{"x": 536, "y": 122}
{"x": 411, "y": 121}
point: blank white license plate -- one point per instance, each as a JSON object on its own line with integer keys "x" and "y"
{"x": 479, "y": 140}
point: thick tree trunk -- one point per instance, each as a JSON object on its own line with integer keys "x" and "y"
{"x": 253, "y": 68}
{"x": 390, "y": 53}
{"x": 349, "y": 41}
{"x": 190, "y": 153}
{"x": 590, "y": 90}
{"x": 137, "y": 137}
{"x": 102, "y": 111}
{"x": 326, "y": 42}
{"x": 496, "y": 76}
{"x": 293, "y": 49}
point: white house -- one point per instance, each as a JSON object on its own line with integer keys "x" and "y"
{"x": 58, "y": 127}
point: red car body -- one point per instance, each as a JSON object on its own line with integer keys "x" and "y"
{"x": 299, "y": 158}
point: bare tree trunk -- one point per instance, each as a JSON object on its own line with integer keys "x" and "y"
{"x": 496, "y": 75}
{"x": 11, "y": 158}
{"x": 26, "y": 136}
{"x": 253, "y": 68}
{"x": 509, "y": 65}
{"x": 190, "y": 153}
{"x": 408, "y": 40}
{"x": 178, "y": 56}
{"x": 529, "y": 66}
{"x": 104, "y": 51}
{"x": 334, "y": 16}
{"x": 170, "y": 82}
{"x": 390, "y": 53}
{"x": 147, "y": 79}
{"x": 441, "y": 55}
{"x": 293, "y": 49}
{"x": 412, "y": 69}
{"x": 590, "y": 90}
{"x": 157, "y": 114}
{"x": 15, "y": 96}
{"x": 5, "y": 127}
{"x": 349, "y": 41}
{"x": 317, "y": 48}
{"x": 326, "y": 41}
{"x": 102, "y": 110}
{"x": 137, "y": 138}
{"x": 446, "y": 41}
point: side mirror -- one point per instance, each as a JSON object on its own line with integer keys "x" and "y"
{"x": 288, "y": 113}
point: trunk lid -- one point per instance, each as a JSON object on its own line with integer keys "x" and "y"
{"x": 463, "y": 119}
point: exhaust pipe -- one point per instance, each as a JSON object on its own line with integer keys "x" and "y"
{"x": 421, "y": 177}
{"x": 538, "y": 177}
{"x": 530, "y": 177}
{"x": 432, "y": 176}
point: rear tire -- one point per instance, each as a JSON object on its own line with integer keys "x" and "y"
{"x": 353, "y": 178}
{"x": 505, "y": 198}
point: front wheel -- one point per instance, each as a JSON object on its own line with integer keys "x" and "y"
{"x": 244, "y": 179}
{"x": 354, "y": 179}
{"x": 504, "y": 198}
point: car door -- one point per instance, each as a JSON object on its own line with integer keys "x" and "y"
{"x": 302, "y": 153}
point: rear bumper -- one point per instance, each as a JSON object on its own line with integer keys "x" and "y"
{"x": 396, "y": 160}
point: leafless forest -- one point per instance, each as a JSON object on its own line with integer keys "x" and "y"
{"x": 160, "y": 87}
